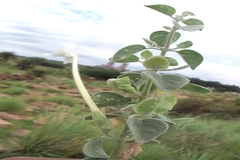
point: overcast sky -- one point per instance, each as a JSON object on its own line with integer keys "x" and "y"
{"x": 34, "y": 27}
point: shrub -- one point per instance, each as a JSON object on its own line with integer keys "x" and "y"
{"x": 5, "y": 56}
{"x": 99, "y": 73}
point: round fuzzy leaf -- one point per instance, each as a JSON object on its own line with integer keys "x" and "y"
{"x": 127, "y": 52}
{"x": 192, "y": 27}
{"x": 165, "y": 82}
{"x": 129, "y": 59}
{"x": 168, "y": 10}
{"x": 147, "y": 129}
{"x": 187, "y": 13}
{"x": 145, "y": 107}
{"x": 195, "y": 88}
{"x": 156, "y": 63}
{"x": 132, "y": 76}
{"x": 160, "y": 37}
{"x": 146, "y": 54}
{"x": 192, "y": 58}
{"x": 94, "y": 149}
{"x": 172, "y": 61}
{"x": 103, "y": 99}
{"x": 193, "y": 21}
{"x": 167, "y": 28}
{"x": 186, "y": 44}
{"x": 166, "y": 102}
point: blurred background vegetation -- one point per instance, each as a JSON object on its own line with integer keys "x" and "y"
{"x": 41, "y": 114}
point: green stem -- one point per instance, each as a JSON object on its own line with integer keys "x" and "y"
{"x": 122, "y": 137}
{"x": 170, "y": 35}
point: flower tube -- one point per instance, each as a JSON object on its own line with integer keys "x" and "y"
{"x": 70, "y": 54}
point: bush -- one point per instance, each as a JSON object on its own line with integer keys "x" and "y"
{"x": 26, "y": 64}
{"x": 48, "y": 63}
{"x": 11, "y": 104}
{"x": 5, "y": 56}
{"x": 99, "y": 73}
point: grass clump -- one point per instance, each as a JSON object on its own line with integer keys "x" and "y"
{"x": 11, "y": 104}
{"x": 64, "y": 100}
{"x": 202, "y": 139}
{"x": 15, "y": 91}
{"x": 57, "y": 138}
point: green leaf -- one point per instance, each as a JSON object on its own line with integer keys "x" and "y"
{"x": 160, "y": 37}
{"x": 185, "y": 44}
{"x": 102, "y": 122}
{"x": 146, "y": 54}
{"x": 166, "y": 102}
{"x": 129, "y": 59}
{"x": 132, "y": 76}
{"x": 172, "y": 61}
{"x": 195, "y": 88}
{"x": 127, "y": 52}
{"x": 156, "y": 63}
{"x": 145, "y": 107}
{"x": 193, "y": 21}
{"x": 151, "y": 43}
{"x": 168, "y": 10}
{"x": 94, "y": 149}
{"x": 147, "y": 129}
{"x": 163, "y": 118}
{"x": 103, "y": 99}
{"x": 167, "y": 27}
{"x": 165, "y": 82}
{"x": 192, "y": 58}
{"x": 187, "y": 13}
{"x": 192, "y": 27}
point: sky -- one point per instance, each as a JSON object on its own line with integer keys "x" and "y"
{"x": 34, "y": 27}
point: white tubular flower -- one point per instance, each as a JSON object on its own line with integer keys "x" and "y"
{"x": 70, "y": 54}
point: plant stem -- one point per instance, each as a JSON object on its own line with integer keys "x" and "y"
{"x": 170, "y": 35}
{"x": 122, "y": 137}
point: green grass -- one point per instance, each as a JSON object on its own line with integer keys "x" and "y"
{"x": 64, "y": 100}
{"x": 11, "y": 104}
{"x": 202, "y": 139}
{"x": 222, "y": 105}
{"x": 16, "y": 84}
{"x": 14, "y": 91}
{"x": 57, "y": 138}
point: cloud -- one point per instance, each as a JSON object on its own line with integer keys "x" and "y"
{"x": 103, "y": 27}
